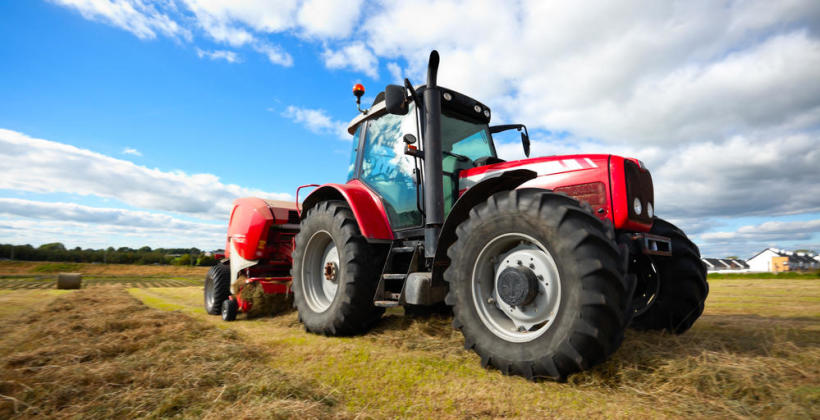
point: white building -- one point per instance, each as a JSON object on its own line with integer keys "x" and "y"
{"x": 762, "y": 261}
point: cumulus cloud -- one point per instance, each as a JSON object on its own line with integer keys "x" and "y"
{"x": 747, "y": 240}
{"x": 229, "y": 56}
{"x": 275, "y": 54}
{"x": 131, "y": 151}
{"x": 140, "y": 18}
{"x": 71, "y": 212}
{"x": 769, "y": 231}
{"x": 317, "y": 121}
{"x": 328, "y": 18}
{"x": 39, "y": 165}
{"x": 355, "y": 56}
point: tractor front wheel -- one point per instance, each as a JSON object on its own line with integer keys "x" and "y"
{"x": 537, "y": 286}
{"x": 335, "y": 272}
{"x": 681, "y": 285}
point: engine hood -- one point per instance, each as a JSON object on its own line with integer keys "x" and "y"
{"x": 548, "y": 165}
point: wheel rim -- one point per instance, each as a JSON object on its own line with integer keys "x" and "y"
{"x": 320, "y": 271}
{"x": 526, "y": 321}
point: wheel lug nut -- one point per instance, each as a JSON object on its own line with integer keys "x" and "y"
{"x": 532, "y": 266}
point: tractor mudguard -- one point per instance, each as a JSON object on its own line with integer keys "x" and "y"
{"x": 367, "y": 207}
{"x": 503, "y": 181}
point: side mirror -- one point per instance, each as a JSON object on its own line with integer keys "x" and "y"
{"x": 525, "y": 141}
{"x": 395, "y": 99}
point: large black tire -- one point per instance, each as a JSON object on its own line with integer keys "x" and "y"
{"x": 350, "y": 310}
{"x": 217, "y": 288}
{"x": 588, "y": 324}
{"x": 682, "y": 287}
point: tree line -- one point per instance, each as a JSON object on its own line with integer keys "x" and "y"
{"x": 56, "y": 251}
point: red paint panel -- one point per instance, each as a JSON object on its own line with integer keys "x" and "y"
{"x": 367, "y": 207}
{"x": 250, "y": 220}
{"x": 620, "y": 211}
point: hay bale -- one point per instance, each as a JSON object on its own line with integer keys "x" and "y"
{"x": 263, "y": 304}
{"x": 69, "y": 280}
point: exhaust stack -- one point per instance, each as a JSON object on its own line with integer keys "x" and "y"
{"x": 433, "y": 189}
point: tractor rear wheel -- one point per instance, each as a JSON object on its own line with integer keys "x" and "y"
{"x": 217, "y": 288}
{"x": 537, "y": 286}
{"x": 335, "y": 272}
{"x": 682, "y": 287}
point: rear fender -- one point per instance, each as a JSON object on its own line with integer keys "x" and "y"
{"x": 367, "y": 207}
{"x": 478, "y": 193}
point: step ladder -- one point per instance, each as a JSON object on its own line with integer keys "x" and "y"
{"x": 399, "y": 263}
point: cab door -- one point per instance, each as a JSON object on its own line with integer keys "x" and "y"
{"x": 388, "y": 171}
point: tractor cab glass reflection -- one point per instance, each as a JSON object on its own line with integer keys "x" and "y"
{"x": 387, "y": 170}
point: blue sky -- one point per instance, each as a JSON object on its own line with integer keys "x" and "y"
{"x": 142, "y": 120}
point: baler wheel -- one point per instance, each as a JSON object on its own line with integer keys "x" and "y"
{"x": 536, "y": 284}
{"x": 217, "y": 288}
{"x": 682, "y": 288}
{"x": 229, "y": 309}
{"x": 335, "y": 272}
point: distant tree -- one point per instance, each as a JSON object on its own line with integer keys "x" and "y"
{"x": 54, "y": 246}
{"x": 145, "y": 249}
{"x": 733, "y": 257}
{"x": 184, "y": 259}
{"x": 205, "y": 260}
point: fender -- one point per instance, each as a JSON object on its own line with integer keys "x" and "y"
{"x": 367, "y": 207}
{"x": 502, "y": 181}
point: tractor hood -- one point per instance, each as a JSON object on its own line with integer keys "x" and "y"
{"x": 610, "y": 184}
{"x": 543, "y": 166}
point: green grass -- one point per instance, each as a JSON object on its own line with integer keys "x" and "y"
{"x": 808, "y": 275}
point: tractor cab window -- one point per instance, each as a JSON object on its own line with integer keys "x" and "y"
{"x": 463, "y": 143}
{"x": 388, "y": 171}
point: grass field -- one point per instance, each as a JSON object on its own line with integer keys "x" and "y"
{"x": 42, "y": 275}
{"x": 754, "y": 353}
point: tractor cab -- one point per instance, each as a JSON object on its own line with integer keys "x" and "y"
{"x": 386, "y": 148}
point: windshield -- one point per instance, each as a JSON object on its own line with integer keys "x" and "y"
{"x": 465, "y": 138}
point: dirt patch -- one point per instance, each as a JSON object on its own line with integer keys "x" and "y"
{"x": 100, "y": 353}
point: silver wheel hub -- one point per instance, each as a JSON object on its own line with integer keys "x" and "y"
{"x": 320, "y": 271}
{"x": 516, "y": 287}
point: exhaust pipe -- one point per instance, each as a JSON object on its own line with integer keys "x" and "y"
{"x": 433, "y": 188}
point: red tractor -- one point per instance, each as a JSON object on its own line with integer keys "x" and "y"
{"x": 544, "y": 261}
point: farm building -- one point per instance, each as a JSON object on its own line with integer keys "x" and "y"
{"x": 778, "y": 260}
{"x": 725, "y": 264}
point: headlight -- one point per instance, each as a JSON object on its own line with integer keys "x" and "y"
{"x": 636, "y": 205}
{"x": 649, "y": 210}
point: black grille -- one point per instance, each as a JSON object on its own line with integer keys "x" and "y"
{"x": 638, "y": 184}
{"x": 293, "y": 217}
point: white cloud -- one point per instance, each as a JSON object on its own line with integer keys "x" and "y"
{"x": 317, "y": 121}
{"x": 229, "y": 56}
{"x": 769, "y": 231}
{"x": 328, "y": 18}
{"x": 72, "y": 212}
{"x": 275, "y": 54}
{"x": 38, "y": 165}
{"x": 131, "y": 151}
{"x": 396, "y": 73}
{"x": 135, "y": 16}
{"x": 355, "y": 56}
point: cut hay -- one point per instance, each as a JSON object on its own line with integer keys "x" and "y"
{"x": 263, "y": 304}
{"x": 100, "y": 353}
{"x": 69, "y": 280}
